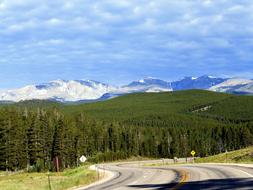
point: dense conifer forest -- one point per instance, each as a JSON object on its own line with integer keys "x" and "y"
{"x": 157, "y": 125}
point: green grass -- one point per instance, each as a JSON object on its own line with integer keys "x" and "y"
{"x": 239, "y": 156}
{"x": 39, "y": 181}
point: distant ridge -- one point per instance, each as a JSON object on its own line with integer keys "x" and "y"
{"x": 90, "y": 90}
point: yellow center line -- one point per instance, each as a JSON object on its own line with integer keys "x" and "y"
{"x": 184, "y": 178}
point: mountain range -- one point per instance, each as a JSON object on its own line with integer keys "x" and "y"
{"x": 90, "y": 90}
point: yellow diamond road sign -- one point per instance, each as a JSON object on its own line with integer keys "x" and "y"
{"x": 193, "y": 152}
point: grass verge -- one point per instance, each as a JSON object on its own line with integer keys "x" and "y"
{"x": 238, "y": 156}
{"x": 39, "y": 181}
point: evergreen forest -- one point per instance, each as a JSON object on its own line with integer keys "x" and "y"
{"x": 155, "y": 125}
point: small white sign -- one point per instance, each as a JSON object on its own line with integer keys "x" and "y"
{"x": 83, "y": 159}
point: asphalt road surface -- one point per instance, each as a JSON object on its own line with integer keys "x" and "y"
{"x": 136, "y": 176}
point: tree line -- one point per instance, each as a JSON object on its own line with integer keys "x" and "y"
{"x": 31, "y": 139}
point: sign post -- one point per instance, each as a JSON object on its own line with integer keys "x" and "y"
{"x": 193, "y": 154}
{"x": 49, "y": 182}
{"x": 226, "y": 156}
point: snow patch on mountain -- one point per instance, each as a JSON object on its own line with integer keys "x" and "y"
{"x": 246, "y": 89}
{"x": 231, "y": 85}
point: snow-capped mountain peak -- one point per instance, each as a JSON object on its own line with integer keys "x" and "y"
{"x": 202, "y": 82}
{"x": 146, "y": 79}
{"x": 212, "y": 77}
{"x": 235, "y": 81}
{"x": 72, "y": 90}
{"x": 231, "y": 85}
{"x": 148, "y": 84}
{"x": 91, "y": 90}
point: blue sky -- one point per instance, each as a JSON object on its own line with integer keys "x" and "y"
{"x": 117, "y": 41}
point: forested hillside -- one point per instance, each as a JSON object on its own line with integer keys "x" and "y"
{"x": 34, "y": 133}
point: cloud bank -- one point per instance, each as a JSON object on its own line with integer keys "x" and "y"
{"x": 122, "y": 40}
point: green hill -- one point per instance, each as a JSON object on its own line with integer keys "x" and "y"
{"x": 143, "y": 105}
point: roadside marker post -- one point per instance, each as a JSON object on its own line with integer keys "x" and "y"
{"x": 226, "y": 156}
{"x": 98, "y": 174}
{"x": 193, "y": 154}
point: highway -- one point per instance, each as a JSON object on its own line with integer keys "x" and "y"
{"x": 141, "y": 176}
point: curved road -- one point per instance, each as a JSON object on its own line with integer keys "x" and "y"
{"x": 135, "y": 176}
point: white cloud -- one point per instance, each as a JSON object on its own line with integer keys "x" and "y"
{"x": 54, "y": 22}
{"x": 127, "y": 31}
{"x": 2, "y": 6}
{"x": 207, "y": 2}
{"x": 29, "y": 24}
